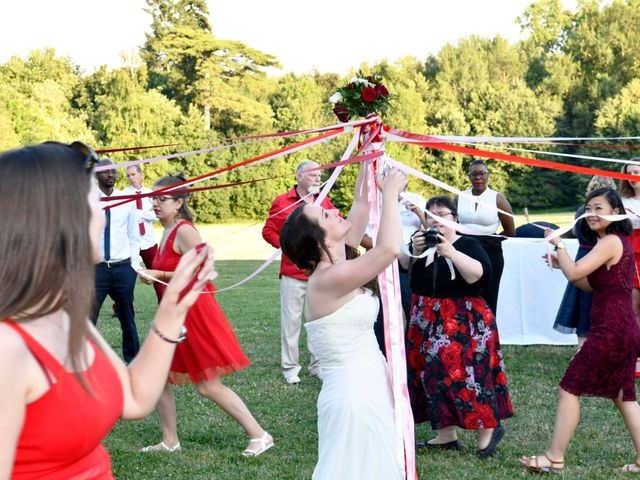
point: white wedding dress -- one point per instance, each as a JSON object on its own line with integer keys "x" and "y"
{"x": 357, "y": 438}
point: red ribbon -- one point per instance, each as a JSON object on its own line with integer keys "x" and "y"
{"x": 237, "y": 165}
{"x": 428, "y": 142}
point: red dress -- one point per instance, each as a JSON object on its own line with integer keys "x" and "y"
{"x": 606, "y": 362}
{"x": 211, "y": 348}
{"x": 63, "y": 430}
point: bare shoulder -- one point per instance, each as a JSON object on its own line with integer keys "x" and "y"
{"x": 187, "y": 237}
{"x": 14, "y": 352}
{"x": 610, "y": 241}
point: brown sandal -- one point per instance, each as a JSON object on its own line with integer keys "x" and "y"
{"x": 533, "y": 464}
{"x": 627, "y": 468}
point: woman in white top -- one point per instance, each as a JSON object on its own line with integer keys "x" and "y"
{"x": 485, "y": 219}
{"x": 356, "y": 426}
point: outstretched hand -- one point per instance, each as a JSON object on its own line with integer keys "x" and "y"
{"x": 393, "y": 181}
{"x": 418, "y": 211}
{"x": 194, "y": 270}
{"x": 553, "y": 241}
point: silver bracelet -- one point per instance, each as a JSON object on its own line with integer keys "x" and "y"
{"x": 180, "y": 339}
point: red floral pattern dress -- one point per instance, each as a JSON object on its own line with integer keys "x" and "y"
{"x": 455, "y": 368}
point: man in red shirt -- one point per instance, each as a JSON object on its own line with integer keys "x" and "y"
{"x": 293, "y": 281}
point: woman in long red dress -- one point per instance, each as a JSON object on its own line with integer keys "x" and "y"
{"x": 211, "y": 348}
{"x": 604, "y": 366}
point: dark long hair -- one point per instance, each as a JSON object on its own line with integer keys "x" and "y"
{"x": 302, "y": 240}
{"x": 45, "y": 247}
{"x": 613, "y": 199}
{"x": 625, "y": 188}
{"x": 184, "y": 211}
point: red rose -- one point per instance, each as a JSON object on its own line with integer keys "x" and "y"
{"x": 458, "y": 374}
{"x": 450, "y": 327}
{"x": 486, "y": 414}
{"x": 478, "y": 304}
{"x": 428, "y": 314}
{"x": 487, "y": 317}
{"x": 494, "y": 359}
{"x": 463, "y": 328}
{"x": 455, "y": 347}
{"x": 471, "y": 421}
{"x": 448, "y": 308}
{"x": 368, "y": 94}
{"x": 382, "y": 90}
{"x": 501, "y": 379}
{"x": 450, "y": 358}
{"x": 342, "y": 112}
{"x": 464, "y": 395}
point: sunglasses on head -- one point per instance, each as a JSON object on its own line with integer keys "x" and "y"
{"x": 90, "y": 156}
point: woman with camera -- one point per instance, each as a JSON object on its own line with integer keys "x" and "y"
{"x": 484, "y": 218}
{"x": 455, "y": 368}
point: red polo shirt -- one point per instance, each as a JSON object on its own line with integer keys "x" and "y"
{"x": 273, "y": 225}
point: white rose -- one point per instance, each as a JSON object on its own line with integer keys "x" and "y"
{"x": 336, "y": 97}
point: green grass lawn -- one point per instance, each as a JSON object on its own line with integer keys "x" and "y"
{"x": 212, "y": 442}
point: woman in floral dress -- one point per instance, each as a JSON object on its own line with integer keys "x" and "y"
{"x": 455, "y": 368}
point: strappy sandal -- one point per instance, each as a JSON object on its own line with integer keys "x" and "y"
{"x": 161, "y": 447}
{"x": 533, "y": 464}
{"x": 628, "y": 468}
{"x": 264, "y": 443}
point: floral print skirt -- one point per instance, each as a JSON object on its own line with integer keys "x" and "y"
{"x": 454, "y": 364}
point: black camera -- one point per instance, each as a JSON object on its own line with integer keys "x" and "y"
{"x": 431, "y": 237}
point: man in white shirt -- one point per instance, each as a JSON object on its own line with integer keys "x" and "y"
{"x": 145, "y": 215}
{"x": 116, "y": 273}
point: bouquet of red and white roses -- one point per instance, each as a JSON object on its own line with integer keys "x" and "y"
{"x": 360, "y": 97}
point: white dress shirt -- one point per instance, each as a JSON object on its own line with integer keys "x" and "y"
{"x": 144, "y": 216}
{"x": 124, "y": 238}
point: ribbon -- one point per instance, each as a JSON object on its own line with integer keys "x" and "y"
{"x": 389, "y": 283}
{"x": 324, "y": 192}
{"x": 395, "y": 134}
{"x": 558, "y": 154}
{"x": 254, "y": 160}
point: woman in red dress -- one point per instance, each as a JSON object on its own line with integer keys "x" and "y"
{"x": 62, "y": 386}
{"x": 211, "y": 348}
{"x": 604, "y": 366}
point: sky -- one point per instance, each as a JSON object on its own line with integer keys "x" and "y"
{"x": 329, "y": 36}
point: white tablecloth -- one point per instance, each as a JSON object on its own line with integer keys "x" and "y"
{"x": 530, "y": 294}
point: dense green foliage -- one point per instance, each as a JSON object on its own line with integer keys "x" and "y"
{"x": 575, "y": 74}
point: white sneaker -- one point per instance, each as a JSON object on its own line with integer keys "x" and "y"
{"x": 293, "y": 380}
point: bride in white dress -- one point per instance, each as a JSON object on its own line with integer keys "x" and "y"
{"x": 356, "y": 426}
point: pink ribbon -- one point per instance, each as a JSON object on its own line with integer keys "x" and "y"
{"x": 389, "y": 283}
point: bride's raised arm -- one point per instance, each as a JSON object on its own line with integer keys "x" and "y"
{"x": 347, "y": 276}
{"x": 359, "y": 213}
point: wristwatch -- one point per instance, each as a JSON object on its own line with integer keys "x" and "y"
{"x": 560, "y": 245}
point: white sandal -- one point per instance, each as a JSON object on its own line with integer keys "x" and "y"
{"x": 161, "y": 447}
{"x": 265, "y": 443}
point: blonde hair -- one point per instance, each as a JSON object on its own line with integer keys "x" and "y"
{"x": 599, "y": 181}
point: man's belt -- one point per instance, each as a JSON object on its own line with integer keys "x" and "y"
{"x": 115, "y": 263}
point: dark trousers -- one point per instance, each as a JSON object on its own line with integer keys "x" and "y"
{"x": 119, "y": 282}
{"x": 147, "y": 255}
{"x": 405, "y": 294}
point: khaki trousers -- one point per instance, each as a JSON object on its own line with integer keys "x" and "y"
{"x": 292, "y": 292}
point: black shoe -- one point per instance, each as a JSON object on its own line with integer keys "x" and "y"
{"x": 455, "y": 445}
{"x": 490, "y": 449}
